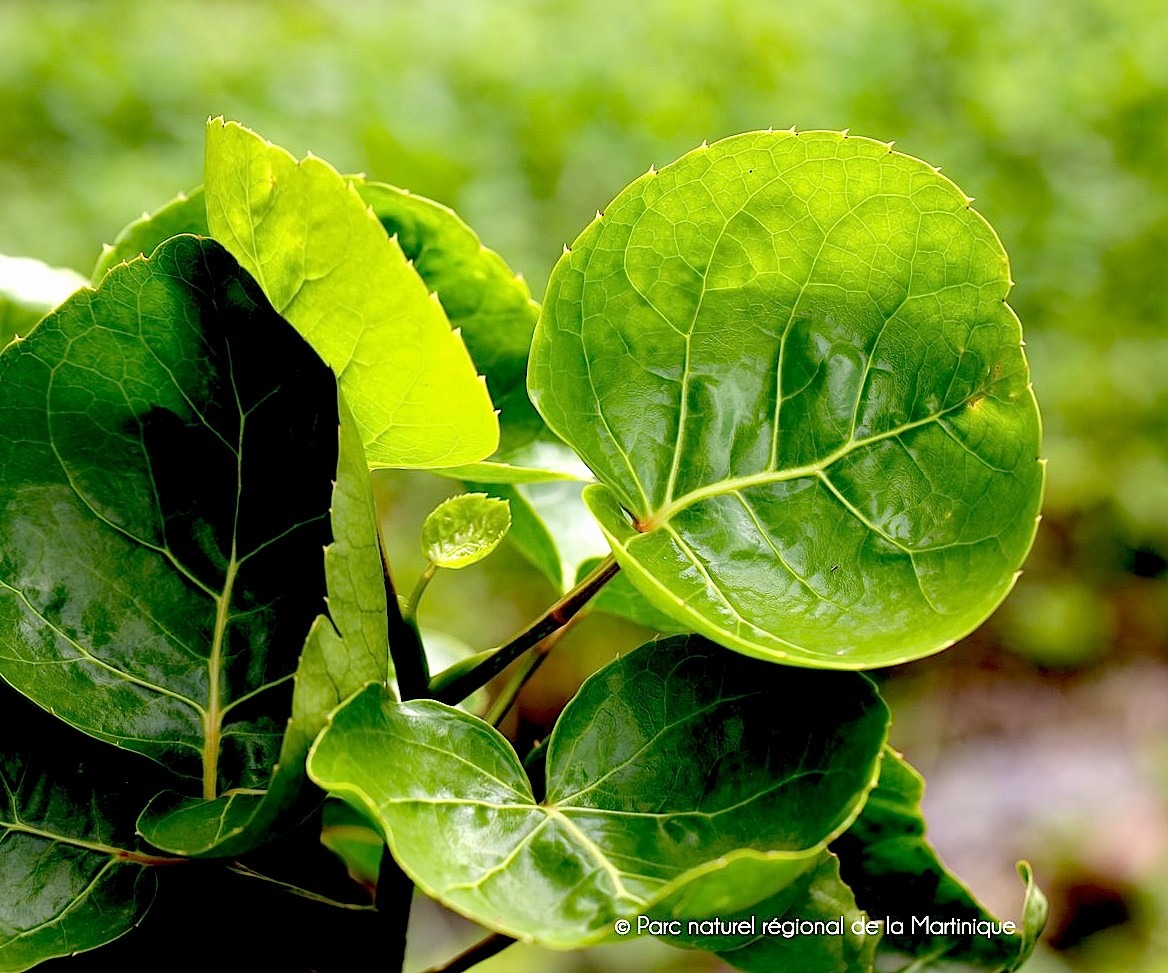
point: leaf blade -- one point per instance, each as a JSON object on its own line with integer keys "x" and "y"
{"x": 655, "y": 798}
{"x": 817, "y": 361}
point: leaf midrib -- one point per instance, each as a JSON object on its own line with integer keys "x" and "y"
{"x": 665, "y": 513}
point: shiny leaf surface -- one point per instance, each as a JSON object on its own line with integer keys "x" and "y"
{"x": 326, "y": 264}
{"x": 681, "y": 778}
{"x": 464, "y": 529}
{"x": 776, "y": 938}
{"x": 72, "y": 873}
{"x": 789, "y": 361}
{"x": 159, "y": 570}
{"x": 894, "y": 872}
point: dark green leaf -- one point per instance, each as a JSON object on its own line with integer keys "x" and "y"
{"x": 186, "y": 213}
{"x": 682, "y": 778}
{"x": 326, "y": 264}
{"x": 789, "y": 361}
{"x": 30, "y": 289}
{"x": 340, "y": 656}
{"x": 73, "y": 875}
{"x": 894, "y": 872}
{"x": 777, "y": 938}
{"x": 464, "y": 529}
{"x": 159, "y": 565}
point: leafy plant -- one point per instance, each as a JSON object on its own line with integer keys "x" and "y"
{"x": 786, "y": 361}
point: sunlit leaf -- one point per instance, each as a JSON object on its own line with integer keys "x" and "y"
{"x": 326, "y": 264}
{"x": 681, "y": 778}
{"x": 159, "y": 566}
{"x": 789, "y": 361}
{"x": 464, "y": 529}
{"x": 895, "y": 872}
{"x": 482, "y": 297}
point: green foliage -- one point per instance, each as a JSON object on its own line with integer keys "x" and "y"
{"x": 465, "y": 529}
{"x": 788, "y": 362}
{"x": 829, "y": 370}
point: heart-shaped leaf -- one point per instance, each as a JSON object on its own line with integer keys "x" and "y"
{"x": 895, "y": 873}
{"x": 789, "y": 361}
{"x": 680, "y": 779}
{"x": 343, "y": 652}
{"x": 73, "y": 874}
{"x": 326, "y": 264}
{"x": 160, "y": 566}
{"x": 464, "y": 529}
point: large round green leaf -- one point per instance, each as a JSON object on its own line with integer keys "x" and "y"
{"x": 682, "y": 780}
{"x": 789, "y": 361}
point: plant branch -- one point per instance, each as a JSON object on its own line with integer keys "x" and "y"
{"x": 411, "y": 609}
{"x": 476, "y": 954}
{"x": 395, "y": 894}
{"x": 405, "y": 642}
{"x": 556, "y": 617}
{"x": 502, "y": 704}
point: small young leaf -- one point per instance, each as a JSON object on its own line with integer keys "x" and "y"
{"x": 682, "y": 778}
{"x": 327, "y": 265}
{"x": 30, "y": 289}
{"x": 159, "y": 567}
{"x": 465, "y": 529}
{"x": 894, "y": 872}
{"x": 789, "y": 361}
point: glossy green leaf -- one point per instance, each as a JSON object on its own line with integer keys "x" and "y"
{"x": 30, "y": 289}
{"x": 682, "y": 778}
{"x": 326, "y": 264}
{"x": 775, "y": 936}
{"x": 186, "y": 213}
{"x": 343, "y": 652}
{"x": 894, "y": 872}
{"x": 482, "y": 297}
{"x": 621, "y": 599}
{"x": 464, "y": 529}
{"x": 789, "y": 361}
{"x": 159, "y": 567}
{"x": 73, "y": 875}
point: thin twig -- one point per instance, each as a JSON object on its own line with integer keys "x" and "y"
{"x": 241, "y": 869}
{"x": 554, "y": 618}
{"x": 477, "y": 953}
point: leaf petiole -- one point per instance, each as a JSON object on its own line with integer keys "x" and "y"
{"x": 555, "y": 618}
{"x": 411, "y": 607}
{"x": 481, "y": 951}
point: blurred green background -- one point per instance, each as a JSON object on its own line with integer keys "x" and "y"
{"x": 1043, "y": 735}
